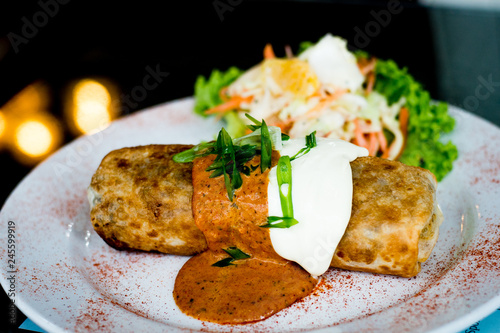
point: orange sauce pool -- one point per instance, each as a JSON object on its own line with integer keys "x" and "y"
{"x": 250, "y": 289}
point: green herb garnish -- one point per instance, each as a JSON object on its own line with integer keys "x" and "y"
{"x": 233, "y": 154}
{"x": 310, "y": 143}
{"x": 258, "y": 125}
{"x": 226, "y": 163}
{"x": 224, "y": 262}
{"x": 203, "y": 149}
{"x": 234, "y": 254}
{"x": 280, "y": 222}
{"x": 284, "y": 176}
{"x": 266, "y": 148}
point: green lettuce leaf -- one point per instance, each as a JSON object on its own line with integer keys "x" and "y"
{"x": 207, "y": 91}
{"x": 207, "y": 95}
{"x": 428, "y": 120}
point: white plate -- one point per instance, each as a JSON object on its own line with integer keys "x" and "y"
{"x": 68, "y": 279}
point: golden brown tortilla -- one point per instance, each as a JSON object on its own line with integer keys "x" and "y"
{"x": 141, "y": 200}
{"x": 394, "y": 221}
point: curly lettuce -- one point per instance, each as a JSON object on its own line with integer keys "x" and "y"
{"x": 428, "y": 119}
{"x": 207, "y": 95}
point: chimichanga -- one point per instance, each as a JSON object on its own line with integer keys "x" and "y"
{"x": 395, "y": 218}
{"x": 141, "y": 200}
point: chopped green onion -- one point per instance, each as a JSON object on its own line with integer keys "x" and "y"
{"x": 284, "y": 175}
{"x": 310, "y": 143}
{"x": 186, "y": 156}
{"x": 226, "y": 155}
{"x": 279, "y": 222}
{"x": 224, "y": 262}
{"x": 257, "y": 123}
{"x": 266, "y": 148}
{"x": 234, "y": 254}
{"x": 233, "y": 154}
{"x": 285, "y": 137}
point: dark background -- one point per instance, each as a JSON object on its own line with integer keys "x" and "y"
{"x": 118, "y": 40}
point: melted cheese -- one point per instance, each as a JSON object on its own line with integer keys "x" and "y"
{"x": 322, "y": 199}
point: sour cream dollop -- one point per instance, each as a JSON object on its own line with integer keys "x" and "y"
{"x": 333, "y": 63}
{"x": 322, "y": 199}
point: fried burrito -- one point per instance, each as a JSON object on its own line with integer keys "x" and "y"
{"x": 395, "y": 218}
{"x": 142, "y": 200}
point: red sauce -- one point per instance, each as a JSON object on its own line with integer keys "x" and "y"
{"x": 250, "y": 289}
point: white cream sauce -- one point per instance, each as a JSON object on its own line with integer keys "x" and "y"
{"x": 322, "y": 199}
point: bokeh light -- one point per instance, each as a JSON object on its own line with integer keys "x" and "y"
{"x": 2, "y": 125}
{"x": 27, "y": 128}
{"x": 90, "y": 106}
{"x": 33, "y": 138}
{"x": 30, "y": 100}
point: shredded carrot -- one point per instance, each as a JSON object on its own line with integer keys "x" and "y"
{"x": 404, "y": 115}
{"x": 383, "y": 141}
{"x": 359, "y": 138}
{"x": 326, "y": 100}
{"x": 269, "y": 52}
{"x": 223, "y": 95}
{"x": 229, "y": 105}
{"x": 373, "y": 144}
{"x": 367, "y": 65}
{"x": 370, "y": 83}
{"x": 387, "y": 152}
{"x": 284, "y": 125}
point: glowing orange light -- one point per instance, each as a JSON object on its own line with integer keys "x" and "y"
{"x": 30, "y": 100}
{"x": 2, "y": 124}
{"x": 91, "y": 107}
{"x": 35, "y": 138}
{"x": 29, "y": 131}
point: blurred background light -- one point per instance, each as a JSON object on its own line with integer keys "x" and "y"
{"x": 89, "y": 105}
{"x": 27, "y": 127}
{"x": 35, "y": 137}
{"x": 31, "y": 99}
{"x": 2, "y": 126}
